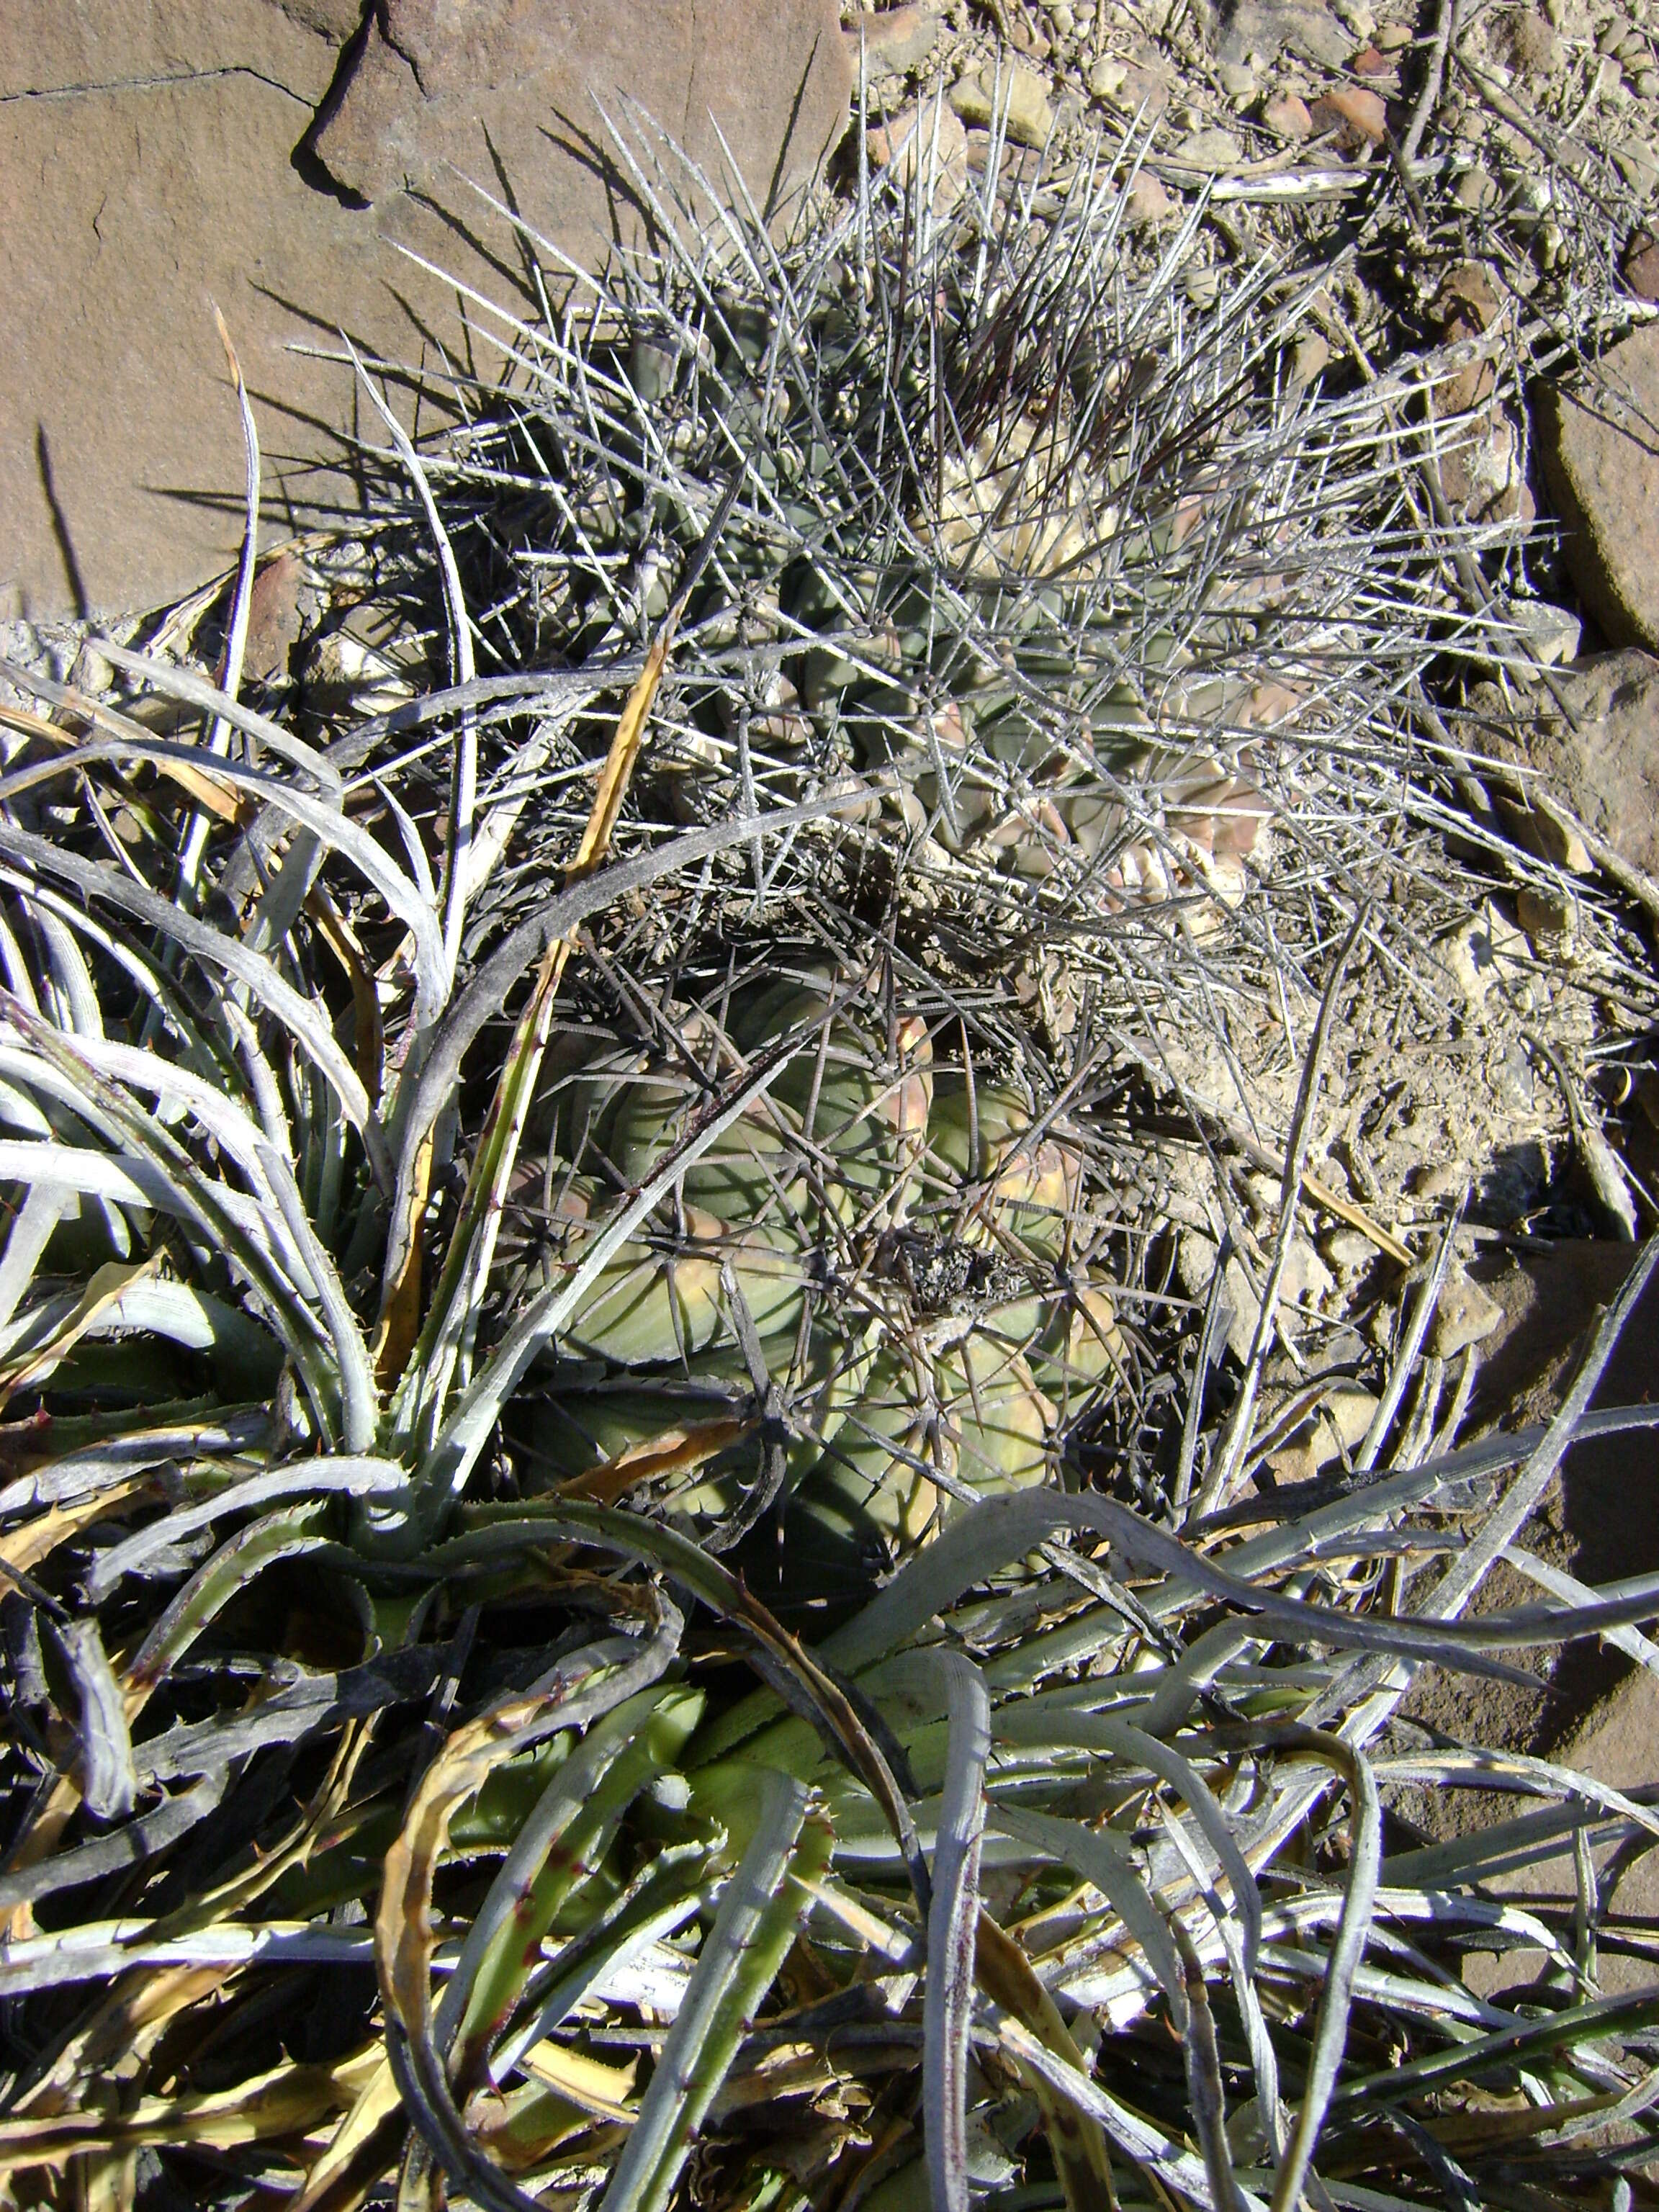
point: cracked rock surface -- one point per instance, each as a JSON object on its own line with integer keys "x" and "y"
{"x": 262, "y": 156}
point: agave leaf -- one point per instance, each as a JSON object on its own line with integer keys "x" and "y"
{"x": 1354, "y": 1927}
{"x": 452, "y": 1317}
{"x": 127, "y": 1847}
{"x": 1106, "y": 1732}
{"x": 726, "y": 1595}
{"x": 103, "y": 1742}
{"x": 952, "y": 1918}
{"x": 760, "y": 1911}
{"x": 36, "y": 857}
{"x": 284, "y": 1535}
{"x": 582, "y": 1688}
{"x": 472, "y": 1245}
{"x": 1143, "y": 2141}
{"x": 103, "y": 1291}
{"x": 175, "y": 681}
{"x": 23, "y": 1548}
{"x": 116, "y": 1455}
{"x": 601, "y": 2090}
{"x": 287, "y": 893}
{"x": 1075, "y": 2137}
{"x": 1103, "y": 1859}
{"x": 318, "y": 819}
{"x": 637, "y": 1921}
{"x": 353, "y": 1475}
{"x": 32, "y": 1225}
{"x": 1586, "y": 2023}
{"x": 553, "y": 1850}
{"x": 1002, "y": 1530}
{"x": 1205, "y": 2091}
{"x": 164, "y": 1174}
{"x": 359, "y": 1402}
{"x": 287, "y": 2101}
{"x": 359, "y": 2149}
{"x": 463, "y": 772}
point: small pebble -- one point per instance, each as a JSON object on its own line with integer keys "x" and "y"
{"x": 1534, "y": 47}
{"x": 1547, "y": 917}
{"x": 1106, "y": 79}
{"x": 1474, "y": 188}
{"x": 1439, "y": 1179}
{"x": 1467, "y": 1314}
{"x": 1308, "y": 360}
{"x": 1287, "y": 116}
{"x": 1361, "y": 110}
{"x": 1642, "y": 266}
{"x": 1391, "y": 38}
{"x": 1146, "y": 202}
{"x": 1645, "y": 83}
{"x": 1348, "y": 1250}
{"x": 1021, "y": 95}
{"x": 1209, "y": 149}
{"x": 1202, "y": 285}
{"x": 1237, "y": 81}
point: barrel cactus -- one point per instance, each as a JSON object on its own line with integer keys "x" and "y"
{"x": 899, "y": 1238}
{"x": 1082, "y": 575}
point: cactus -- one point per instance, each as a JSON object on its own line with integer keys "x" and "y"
{"x": 1079, "y": 575}
{"x": 830, "y": 1217}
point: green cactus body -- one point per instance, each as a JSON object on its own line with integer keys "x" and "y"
{"x": 863, "y": 1147}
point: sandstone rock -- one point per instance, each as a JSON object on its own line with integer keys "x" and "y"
{"x": 1268, "y": 26}
{"x": 894, "y": 43}
{"x": 1607, "y": 769}
{"x": 1340, "y": 1422}
{"x": 1550, "y": 634}
{"x": 1534, "y": 49}
{"x": 274, "y": 614}
{"x": 1020, "y": 92}
{"x": 1146, "y": 202}
{"x": 1361, "y": 113}
{"x": 1465, "y": 1314}
{"x": 1549, "y": 1298}
{"x": 1208, "y": 149}
{"x": 1642, "y": 266}
{"x": 930, "y": 138}
{"x": 1286, "y": 115}
{"x": 1310, "y": 357}
{"x": 1305, "y": 1280}
{"x": 1601, "y": 460}
{"x": 1614, "y": 1744}
{"x": 1483, "y": 476}
{"x": 155, "y": 159}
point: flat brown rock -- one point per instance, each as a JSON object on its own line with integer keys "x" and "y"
{"x": 1599, "y": 444}
{"x": 1616, "y": 1744}
{"x": 1604, "y": 761}
{"x": 153, "y": 162}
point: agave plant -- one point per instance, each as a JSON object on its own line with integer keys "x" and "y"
{"x": 404, "y": 1795}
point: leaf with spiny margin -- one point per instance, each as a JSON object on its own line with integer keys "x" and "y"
{"x": 760, "y": 1911}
